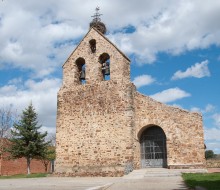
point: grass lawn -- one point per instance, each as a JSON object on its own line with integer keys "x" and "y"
{"x": 24, "y": 176}
{"x": 209, "y": 181}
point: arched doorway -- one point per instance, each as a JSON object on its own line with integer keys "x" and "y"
{"x": 153, "y": 148}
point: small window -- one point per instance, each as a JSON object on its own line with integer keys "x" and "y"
{"x": 92, "y": 45}
{"x": 80, "y": 62}
{"x": 83, "y": 74}
{"x": 104, "y": 59}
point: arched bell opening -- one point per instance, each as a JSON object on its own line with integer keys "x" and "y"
{"x": 104, "y": 59}
{"x": 92, "y": 44}
{"x": 81, "y": 70}
{"x": 153, "y": 148}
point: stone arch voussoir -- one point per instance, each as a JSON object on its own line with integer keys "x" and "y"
{"x": 142, "y": 129}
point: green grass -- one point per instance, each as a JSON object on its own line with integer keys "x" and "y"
{"x": 24, "y": 176}
{"x": 209, "y": 181}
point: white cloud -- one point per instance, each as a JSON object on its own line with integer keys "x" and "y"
{"x": 212, "y": 134}
{"x": 209, "y": 108}
{"x": 33, "y": 32}
{"x": 212, "y": 140}
{"x": 213, "y": 145}
{"x": 43, "y": 38}
{"x": 15, "y": 81}
{"x": 43, "y": 85}
{"x": 167, "y": 28}
{"x": 196, "y": 109}
{"x": 199, "y": 70}
{"x": 170, "y": 95}
{"x": 7, "y": 90}
{"x": 42, "y": 94}
{"x": 49, "y": 130}
{"x": 216, "y": 118}
{"x": 38, "y": 36}
{"x": 143, "y": 80}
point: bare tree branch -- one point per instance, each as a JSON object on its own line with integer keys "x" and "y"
{"x": 7, "y": 118}
{"x": 52, "y": 137}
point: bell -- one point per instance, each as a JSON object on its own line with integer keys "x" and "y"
{"x": 107, "y": 71}
{"x": 82, "y": 75}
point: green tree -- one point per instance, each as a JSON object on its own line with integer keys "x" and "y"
{"x": 209, "y": 154}
{"x": 26, "y": 140}
{"x": 48, "y": 156}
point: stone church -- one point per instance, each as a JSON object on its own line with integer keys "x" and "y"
{"x": 105, "y": 127}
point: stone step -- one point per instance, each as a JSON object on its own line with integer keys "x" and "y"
{"x": 167, "y": 174}
{"x": 160, "y": 172}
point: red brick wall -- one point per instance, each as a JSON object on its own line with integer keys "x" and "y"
{"x": 19, "y": 166}
{"x": 0, "y": 164}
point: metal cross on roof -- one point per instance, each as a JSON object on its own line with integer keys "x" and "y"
{"x": 96, "y": 16}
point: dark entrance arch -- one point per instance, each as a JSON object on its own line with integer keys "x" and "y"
{"x": 153, "y": 148}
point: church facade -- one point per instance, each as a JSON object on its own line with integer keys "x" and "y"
{"x": 105, "y": 127}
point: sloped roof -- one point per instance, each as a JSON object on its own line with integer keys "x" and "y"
{"x": 112, "y": 44}
{"x": 104, "y": 38}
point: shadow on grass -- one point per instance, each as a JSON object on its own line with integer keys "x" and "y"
{"x": 208, "y": 181}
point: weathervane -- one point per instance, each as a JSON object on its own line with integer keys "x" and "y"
{"x": 96, "y": 22}
{"x": 96, "y": 16}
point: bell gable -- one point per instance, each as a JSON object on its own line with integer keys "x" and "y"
{"x": 95, "y": 59}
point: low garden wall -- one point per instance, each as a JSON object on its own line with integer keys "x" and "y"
{"x": 212, "y": 163}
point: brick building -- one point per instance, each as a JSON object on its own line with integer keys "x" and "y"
{"x": 106, "y": 128}
{"x": 19, "y": 166}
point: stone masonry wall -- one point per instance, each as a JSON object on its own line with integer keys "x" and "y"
{"x": 99, "y": 123}
{"x": 212, "y": 163}
{"x": 183, "y": 130}
{"x": 94, "y": 129}
{"x": 95, "y": 120}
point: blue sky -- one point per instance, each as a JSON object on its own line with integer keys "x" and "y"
{"x": 174, "y": 47}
